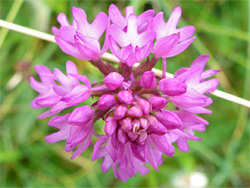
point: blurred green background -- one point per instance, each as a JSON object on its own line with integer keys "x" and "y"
{"x": 222, "y": 30}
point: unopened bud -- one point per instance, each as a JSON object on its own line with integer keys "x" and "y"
{"x": 113, "y": 80}
{"x": 125, "y": 97}
{"x": 148, "y": 80}
{"x": 105, "y": 102}
{"x": 172, "y": 87}
{"x": 158, "y": 102}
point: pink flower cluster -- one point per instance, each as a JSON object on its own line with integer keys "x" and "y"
{"x": 133, "y": 101}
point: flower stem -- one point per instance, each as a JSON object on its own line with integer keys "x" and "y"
{"x": 145, "y": 66}
{"x": 105, "y": 69}
{"x": 164, "y": 67}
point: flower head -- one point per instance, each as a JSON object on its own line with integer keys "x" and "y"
{"x": 139, "y": 126}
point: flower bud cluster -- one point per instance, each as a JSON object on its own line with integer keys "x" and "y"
{"x": 140, "y": 125}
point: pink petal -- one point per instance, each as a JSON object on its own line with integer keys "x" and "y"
{"x": 208, "y": 86}
{"x": 67, "y": 33}
{"x": 132, "y": 26}
{"x": 88, "y": 42}
{"x": 68, "y": 48}
{"x": 126, "y": 52}
{"x": 62, "y": 19}
{"x": 200, "y": 62}
{"x": 82, "y": 78}
{"x": 145, "y": 37}
{"x": 208, "y": 73}
{"x": 106, "y": 164}
{"x": 48, "y": 101}
{"x": 173, "y": 19}
{"x": 163, "y": 144}
{"x": 62, "y": 78}
{"x": 81, "y": 19}
{"x": 60, "y": 122}
{"x": 61, "y": 90}
{"x": 159, "y": 26}
{"x": 180, "y": 47}
{"x": 99, "y": 25}
{"x": 39, "y": 87}
{"x": 47, "y": 114}
{"x": 163, "y": 46}
{"x": 97, "y": 147}
{"x": 60, "y": 106}
{"x": 190, "y": 99}
{"x": 55, "y": 31}
{"x": 116, "y": 16}
{"x": 82, "y": 147}
{"x": 81, "y": 91}
{"x": 119, "y": 35}
{"x": 198, "y": 109}
{"x": 111, "y": 150}
{"x": 33, "y": 103}
{"x": 143, "y": 19}
{"x": 129, "y": 10}
{"x": 87, "y": 53}
{"x": 150, "y": 156}
{"x": 71, "y": 68}
{"x": 186, "y": 32}
{"x": 123, "y": 175}
{"x": 58, "y": 136}
{"x": 114, "y": 48}
{"x": 182, "y": 144}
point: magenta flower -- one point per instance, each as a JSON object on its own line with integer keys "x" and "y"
{"x": 139, "y": 127}
{"x": 81, "y": 39}
{"x": 135, "y": 46}
{"x": 59, "y": 97}
{"x": 194, "y": 99}
{"x": 171, "y": 41}
{"x": 117, "y": 18}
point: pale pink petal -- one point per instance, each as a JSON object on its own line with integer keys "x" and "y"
{"x": 119, "y": 35}
{"x": 62, "y": 19}
{"x": 116, "y": 16}
{"x": 173, "y": 20}
{"x": 132, "y": 25}
{"x": 80, "y": 19}
{"x": 99, "y": 25}
{"x": 159, "y": 26}
{"x": 129, "y": 10}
